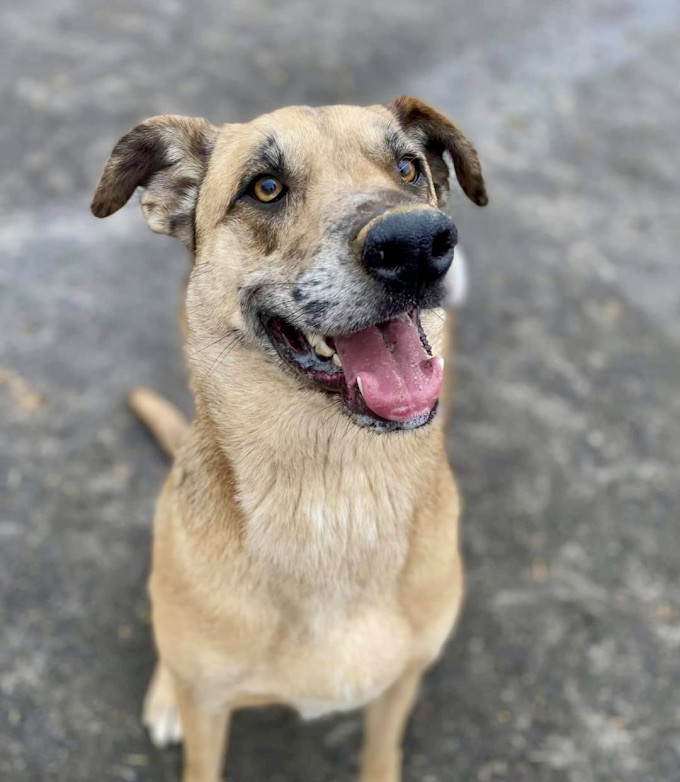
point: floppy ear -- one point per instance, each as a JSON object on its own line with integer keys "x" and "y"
{"x": 168, "y": 157}
{"x": 439, "y": 136}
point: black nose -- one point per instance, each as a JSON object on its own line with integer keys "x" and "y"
{"x": 410, "y": 248}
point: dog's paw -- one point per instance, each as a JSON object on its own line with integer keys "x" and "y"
{"x": 160, "y": 715}
{"x": 164, "y": 726}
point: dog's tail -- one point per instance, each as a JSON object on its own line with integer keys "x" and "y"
{"x": 165, "y": 422}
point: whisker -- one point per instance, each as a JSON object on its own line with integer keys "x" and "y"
{"x": 347, "y": 428}
{"x": 274, "y": 284}
{"x": 219, "y": 339}
{"x": 336, "y": 411}
{"x": 222, "y": 354}
{"x": 356, "y": 434}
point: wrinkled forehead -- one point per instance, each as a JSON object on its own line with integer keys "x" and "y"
{"x": 300, "y": 141}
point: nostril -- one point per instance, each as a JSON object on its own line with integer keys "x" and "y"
{"x": 442, "y": 242}
{"x": 392, "y": 251}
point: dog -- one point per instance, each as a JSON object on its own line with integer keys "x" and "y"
{"x": 305, "y": 545}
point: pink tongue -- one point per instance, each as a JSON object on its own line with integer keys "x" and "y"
{"x": 399, "y": 380}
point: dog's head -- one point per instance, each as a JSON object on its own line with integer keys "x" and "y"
{"x": 319, "y": 245}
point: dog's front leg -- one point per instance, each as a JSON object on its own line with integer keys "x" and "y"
{"x": 205, "y": 738}
{"x": 384, "y": 723}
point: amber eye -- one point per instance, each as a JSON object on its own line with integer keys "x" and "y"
{"x": 408, "y": 170}
{"x": 267, "y": 189}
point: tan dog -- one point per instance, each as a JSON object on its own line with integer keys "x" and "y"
{"x": 305, "y": 541}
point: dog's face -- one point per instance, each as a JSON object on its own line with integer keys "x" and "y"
{"x": 317, "y": 238}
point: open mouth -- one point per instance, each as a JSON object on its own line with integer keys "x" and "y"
{"x": 386, "y": 373}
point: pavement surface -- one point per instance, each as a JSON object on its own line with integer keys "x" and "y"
{"x": 566, "y": 426}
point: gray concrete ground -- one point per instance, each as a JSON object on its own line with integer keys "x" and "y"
{"x": 566, "y": 428}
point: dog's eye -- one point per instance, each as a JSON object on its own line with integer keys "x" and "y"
{"x": 408, "y": 170}
{"x": 267, "y": 189}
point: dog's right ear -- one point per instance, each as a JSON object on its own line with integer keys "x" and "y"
{"x": 168, "y": 157}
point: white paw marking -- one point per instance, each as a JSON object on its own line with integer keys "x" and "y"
{"x": 164, "y": 726}
{"x": 160, "y": 715}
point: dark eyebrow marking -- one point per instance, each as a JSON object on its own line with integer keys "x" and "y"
{"x": 396, "y": 145}
{"x": 268, "y": 158}
{"x": 395, "y": 142}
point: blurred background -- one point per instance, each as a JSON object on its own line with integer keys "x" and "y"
{"x": 566, "y": 420}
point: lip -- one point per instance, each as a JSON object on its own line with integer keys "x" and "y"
{"x": 322, "y": 374}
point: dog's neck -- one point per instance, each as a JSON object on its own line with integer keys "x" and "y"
{"x": 325, "y": 504}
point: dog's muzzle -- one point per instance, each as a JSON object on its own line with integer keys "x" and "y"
{"x": 408, "y": 249}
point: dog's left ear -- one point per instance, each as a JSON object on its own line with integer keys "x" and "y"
{"x": 438, "y": 136}
{"x": 168, "y": 157}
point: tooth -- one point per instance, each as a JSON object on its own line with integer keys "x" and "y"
{"x": 312, "y": 338}
{"x": 336, "y": 360}
{"x": 361, "y": 390}
{"x": 439, "y": 360}
{"x": 323, "y": 348}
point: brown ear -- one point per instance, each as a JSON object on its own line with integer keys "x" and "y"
{"x": 168, "y": 157}
{"x": 438, "y": 136}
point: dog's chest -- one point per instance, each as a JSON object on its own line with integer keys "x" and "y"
{"x": 326, "y": 545}
{"x": 328, "y": 530}
{"x": 339, "y": 660}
